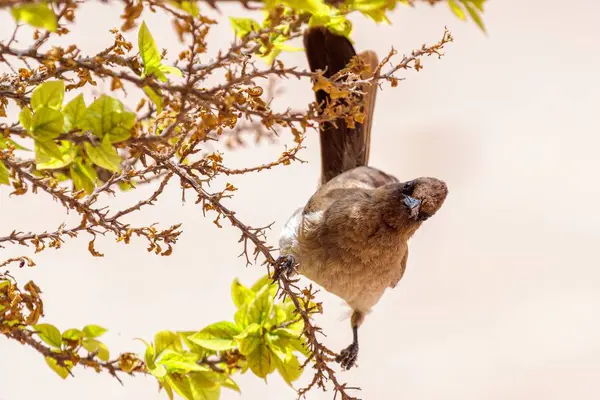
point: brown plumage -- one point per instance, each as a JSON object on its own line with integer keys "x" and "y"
{"x": 352, "y": 235}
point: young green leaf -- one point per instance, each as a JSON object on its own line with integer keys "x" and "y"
{"x": 167, "y": 69}
{"x": 218, "y": 336}
{"x": 194, "y": 348}
{"x": 83, "y": 176}
{"x": 72, "y": 334}
{"x": 180, "y": 362}
{"x": 48, "y": 155}
{"x": 221, "y": 379}
{"x": 259, "y": 310}
{"x": 4, "y": 174}
{"x": 107, "y": 116}
{"x": 25, "y": 117}
{"x": 289, "y": 369}
{"x": 181, "y": 384}
{"x": 260, "y": 361}
{"x": 148, "y": 49}
{"x": 241, "y": 316}
{"x": 204, "y": 388}
{"x": 47, "y": 123}
{"x": 49, "y": 334}
{"x": 61, "y": 371}
{"x": 74, "y": 113}
{"x": 39, "y": 15}
{"x": 191, "y": 7}
{"x": 93, "y": 345}
{"x": 150, "y": 356}
{"x": 249, "y": 339}
{"x": 104, "y": 155}
{"x": 4, "y": 141}
{"x": 240, "y": 293}
{"x": 456, "y": 10}
{"x": 155, "y": 97}
{"x": 167, "y": 340}
{"x": 472, "y": 10}
{"x": 243, "y": 26}
{"x": 49, "y": 94}
{"x": 93, "y": 331}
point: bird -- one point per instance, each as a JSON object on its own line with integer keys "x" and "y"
{"x": 351, "y": 237}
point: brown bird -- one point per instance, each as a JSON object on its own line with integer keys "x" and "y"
{"x": 351, "y": 238}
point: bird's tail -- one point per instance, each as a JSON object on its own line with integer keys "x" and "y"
{"x": 342, "y": 147}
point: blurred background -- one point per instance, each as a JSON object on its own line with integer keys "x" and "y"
{"x": 500, "y": 299}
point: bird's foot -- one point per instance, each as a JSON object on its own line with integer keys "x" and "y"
{"x": 284, "y": 265}
{"x": 348, "y": 356}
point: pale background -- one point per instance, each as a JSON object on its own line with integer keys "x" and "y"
{"x": 500, "y": 299}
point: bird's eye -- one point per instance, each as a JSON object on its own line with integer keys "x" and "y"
{"x": 408, "y": 187}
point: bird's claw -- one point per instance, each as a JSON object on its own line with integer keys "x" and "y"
{"x": 348, "y": 356}
{"x": 284, "y": 266}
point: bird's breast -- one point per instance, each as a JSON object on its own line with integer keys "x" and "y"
{"x": 358, "y": 272}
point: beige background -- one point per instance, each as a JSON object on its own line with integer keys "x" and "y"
{"x": 500, "y": 300}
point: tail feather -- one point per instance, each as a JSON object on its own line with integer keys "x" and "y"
{"x": 342, "y": 147}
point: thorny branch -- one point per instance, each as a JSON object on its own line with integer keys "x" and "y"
{"x": 171, "y": 144}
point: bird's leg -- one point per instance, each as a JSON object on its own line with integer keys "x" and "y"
{"x": 348, "y": 356}
{"x": 284, "y": 266}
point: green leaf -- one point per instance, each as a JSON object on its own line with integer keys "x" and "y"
{"x": 94, "y": 331}
{"x": 4, "y": 174}
{"x": 49, "y": 334}
{"x": 456, "y": 10}
{"x": 181, "y": 362}
{"x": 61, "y": 371}
{"x": 74, "y": 113}
{"x": 261, "y": 282}
{"x": 49, "y": 94}
{"x": 150, "y": 356}
{"x": 249, "y": 339}
{"x": 107, "y": 116}
{"x": 159, "y": 371}
{"x": 240, "y": 293}
{"x": 72, "y": 334}
{"x": 204, "y": 388}
{"x": 39, "y": 15}
{"x": 292, "y": 343}
{"x": 478, "y": 4}
{"x": 259, "y": 310}
{"x": 181, "y": 384}
{"x": 48, "y": 155}
{"x": 194, "y": 348}
{"x": 148, "y": 49}
{"x": 191, "y": 7}
{"x": 167, "y": 340}
{"x": 155, "y": 97}
{"x": 25, "y": 117}
{"x": 167, "y": 69}
{"x": 241, "y": 316}
{"x": 104, "y": 155}
{"x": 260, "y": 361}
{"x": 218, "y": 336}
{"x": 474, "y": 15}
{"x": 222, "y": 379}
{"x": 289, "y": 369}
{"x": 83, "y": 176}
{"x": 243, "y": 26}
{"x": 4, "y": 141}
{"x": 278, "y": 347}
{"x": 93, "y": 345}
{"x": 369, "y": 5}
{"x": 47, "y": 123}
